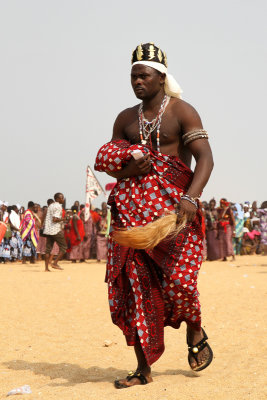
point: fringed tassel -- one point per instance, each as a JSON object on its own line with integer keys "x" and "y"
{"x": 147, "y": 237}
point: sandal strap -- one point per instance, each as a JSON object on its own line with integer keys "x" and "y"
{"x": 196, "y": 348}
{"x": 137, "y": 375}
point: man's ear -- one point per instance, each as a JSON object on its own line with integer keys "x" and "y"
{"x": 162, "y": 78}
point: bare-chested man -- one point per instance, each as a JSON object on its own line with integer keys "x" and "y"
{"x": 151, "y": 289}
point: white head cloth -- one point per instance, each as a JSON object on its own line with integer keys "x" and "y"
{"x": 18, "y": 206}
{"x": 171, "y": 87}
{"x": 5, "y": 203}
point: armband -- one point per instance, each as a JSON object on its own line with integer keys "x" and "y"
{"x": 194, "y": 135}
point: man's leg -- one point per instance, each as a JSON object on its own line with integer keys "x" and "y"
{"x": 181, "y": 296}
{"x": 60, "y": 240}
{"x": 48, "y": 248}
{"x": 142, "y": 367}
{"x": 59, "y": 257}
{"x": 194, "y": 336}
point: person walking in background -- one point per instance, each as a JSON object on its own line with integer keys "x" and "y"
{"x": 53, "y": 231}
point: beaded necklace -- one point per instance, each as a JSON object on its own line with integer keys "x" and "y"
{"x": 147, "y": 127}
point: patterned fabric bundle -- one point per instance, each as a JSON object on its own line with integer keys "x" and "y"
{"x": 150, "y": 289}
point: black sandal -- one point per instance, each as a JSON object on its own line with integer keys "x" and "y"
{"x": 131, "y": 375}
{"x": 193, "y": 351}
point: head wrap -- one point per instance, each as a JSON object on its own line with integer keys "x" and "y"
{"x": 5, "y": 203}
{"x": 151, "y": 56}
{"x": 224, "y": 203}
{"x": 239, "y": 212}
{"x": 18, "y": 206}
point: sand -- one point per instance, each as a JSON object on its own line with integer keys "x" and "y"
{"x": 54, "y": 325}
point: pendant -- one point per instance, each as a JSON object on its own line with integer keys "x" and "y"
{"x": 143, "y": 141}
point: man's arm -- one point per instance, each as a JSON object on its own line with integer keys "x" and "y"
{"x": 201, "y": 151}
{"x": 57, "y": 215}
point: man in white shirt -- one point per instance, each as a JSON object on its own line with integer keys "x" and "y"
{"x": 53, "y": 231}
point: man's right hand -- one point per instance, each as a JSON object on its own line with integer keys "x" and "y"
{"x": 141, "y": 166}
{"x": 134, "y": 167}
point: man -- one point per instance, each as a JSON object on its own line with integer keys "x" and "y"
{"x": 53, "y": 231}
{"x": 149, "y": 289}
{"x": 29, "y": 235}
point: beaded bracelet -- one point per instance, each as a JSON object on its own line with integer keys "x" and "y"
{"x": 190, "y": 199}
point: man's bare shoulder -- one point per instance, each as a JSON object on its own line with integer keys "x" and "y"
{"x": 130, "y": 112}
{"x": 124, "y": 119}
{"x": 179, "y": 105}
{"x": 186, "y": 114}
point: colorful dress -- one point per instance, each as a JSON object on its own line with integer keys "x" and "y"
{"x": 213, "y": 244}
{"x": 5, "y": 251}
{"x": 150, "y": 289}
{"x": 29, "y": 235}
{"x": 225, "y": 228}
{"x": 74, "y": 249}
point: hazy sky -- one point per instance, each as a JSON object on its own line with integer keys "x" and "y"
{"x": 65, "y": 75}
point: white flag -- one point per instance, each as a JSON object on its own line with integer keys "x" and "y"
{"x": 93, "y": 190}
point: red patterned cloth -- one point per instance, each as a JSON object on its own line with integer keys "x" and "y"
{"x": 150, "y": 289}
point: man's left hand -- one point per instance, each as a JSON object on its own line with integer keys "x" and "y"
{"x": 186, "y": 209}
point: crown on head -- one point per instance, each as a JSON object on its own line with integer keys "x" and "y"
{"x": 149, "y": 52}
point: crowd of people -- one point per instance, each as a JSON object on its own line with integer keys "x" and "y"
{"x": 234, "y": 229}
{"x": 230, "y": 229}
{"x": 26, "y": 239}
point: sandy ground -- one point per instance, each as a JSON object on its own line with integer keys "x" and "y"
{"x": 53, "y": 327}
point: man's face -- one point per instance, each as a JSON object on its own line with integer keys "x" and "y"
{"x": 146, "y": 81}
{"x": 60, "y": 199}
{"x": 35, "y": 208}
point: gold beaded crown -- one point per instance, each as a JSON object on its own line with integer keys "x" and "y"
{"x": 149, "y": 52}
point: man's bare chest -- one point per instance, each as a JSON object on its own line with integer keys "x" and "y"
{"x": 170, "y": 131}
